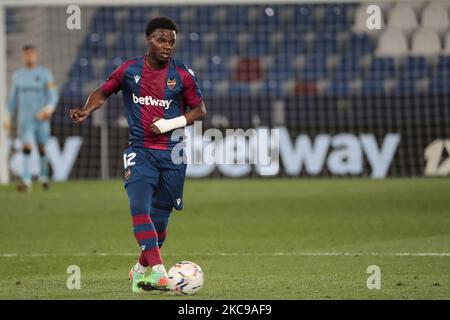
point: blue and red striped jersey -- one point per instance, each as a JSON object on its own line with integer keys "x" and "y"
{"x": 148, "y": 94}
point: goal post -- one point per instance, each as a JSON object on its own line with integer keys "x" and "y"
{"x": 4, "y": 146}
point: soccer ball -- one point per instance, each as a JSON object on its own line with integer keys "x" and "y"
{"x": 185, "y": 277}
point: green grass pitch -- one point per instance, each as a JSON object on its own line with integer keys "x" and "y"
{"x": 255, "y": 239}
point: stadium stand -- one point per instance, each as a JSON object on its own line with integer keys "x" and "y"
{"x": 312, "y": 67}
{"x": 277, "y": 51}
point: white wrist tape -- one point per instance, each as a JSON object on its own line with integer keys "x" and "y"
{"x": 165, "y": 125}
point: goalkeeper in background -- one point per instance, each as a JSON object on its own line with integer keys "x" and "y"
{"x": 34, "y": 94}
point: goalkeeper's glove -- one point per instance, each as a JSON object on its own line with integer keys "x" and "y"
{"x": 45, "y": 113}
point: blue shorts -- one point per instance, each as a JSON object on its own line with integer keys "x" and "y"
{"x": 155, "y": 167}
{"x": 35, "y": 130}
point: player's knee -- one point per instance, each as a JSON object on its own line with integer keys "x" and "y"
{"x": 26, "y": 150}
{"x": 139, "y": 197}
{"x": 139, "y": 204}
{"x": 41, "y": 150}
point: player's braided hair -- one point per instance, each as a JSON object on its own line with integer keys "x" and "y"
{"x": 160, "y": 23}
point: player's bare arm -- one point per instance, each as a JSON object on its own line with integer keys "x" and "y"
{"x": 195, "y": 114}
{"x": 95, "y": 100}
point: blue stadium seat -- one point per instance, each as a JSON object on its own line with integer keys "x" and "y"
{"x": 359, "y": 43}
{"x": 104, "y": 20}
{"x": 236, "y": 19}
{"x": 315, "y": 68}
{"x": 136, "y": 21}
{"x": 173, "y": 12}
{"x": 373, "y": 87}
{"x": 126, "y": 47}
{"x": 349, "y": 68}
{"x": 226, "y": 45}
{"x": 94, "y": 45}
{"x": 442, "y": 75}
{"x": 187, "y": 49}
{"x": 204, "y": 16}
{"x": 326, "y": 43}
{"x": 304, "y": 19}
{"x": 336, "y": 18}
{"x": 196, "y": 27}
{"x": 267, "y": 20}
{"x": 194, "y": 45}
{"x": 406, "y": 86}
{"x": 73, "y": 89}
{"x": 382, "y": 68}
{"x": 138, "y": 14}
{"x": 440, "y": 82}
{"x": 10, "y": 20}
{"x": 239, "y": 89}
{"x": 134, "y": 29}
{"x": 215, "y": 72}
{"x": 339, "y": 88}
{"x": 327, "y": 23}
{"x": 439, "y": 85}
{"x": 259, "y": 47}
{"x": 294, "y": 44}
{"x": 271, "y": 88}
{"x": 82, "y": 69}
{"x": 444, "y": 63}
{"x": 282, "y": 68}
{"x": 415, "y": 68}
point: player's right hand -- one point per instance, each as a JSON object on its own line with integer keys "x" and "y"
{"x": 78, "y": 115}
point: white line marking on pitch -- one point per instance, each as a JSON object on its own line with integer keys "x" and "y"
{"x": 236, "y": 254}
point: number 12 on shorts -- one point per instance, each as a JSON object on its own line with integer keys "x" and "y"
{"x": 128, "y": 160}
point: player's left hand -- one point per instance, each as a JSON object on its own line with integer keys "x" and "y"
{"x": 7, "y": 125}
{"x": 44, "y": 114}
{"x": 154, "y": 128}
